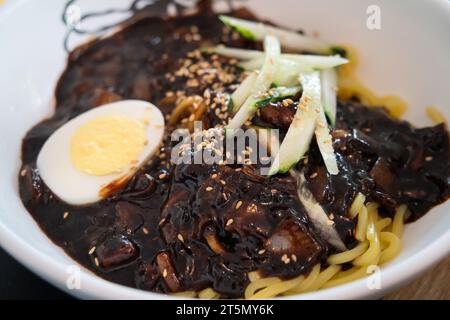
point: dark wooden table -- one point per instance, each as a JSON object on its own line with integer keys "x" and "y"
{"x": 16, "y": 282}
{"x": 434, "y": 284}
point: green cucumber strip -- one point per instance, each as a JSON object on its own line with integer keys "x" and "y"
{"x": 243, "y": 91}
{"x": 256, "y": 31}
{"x": 325, "y": 143}
{"x": 328, "y": 79}
{"x": 298, "y": 62}
{"x": 262, "y": 83}
{"x": 301, "y": 130}
{"x": 237, "y": 53}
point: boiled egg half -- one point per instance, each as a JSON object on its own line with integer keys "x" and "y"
{"x": 95, "y": 153}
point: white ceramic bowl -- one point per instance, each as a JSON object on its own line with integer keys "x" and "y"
{"x": 408, "y": 57}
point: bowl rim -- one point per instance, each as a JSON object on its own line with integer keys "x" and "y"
{"x": 95, "y": 287}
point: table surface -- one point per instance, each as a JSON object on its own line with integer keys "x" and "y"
{"x": 16, "y": 282}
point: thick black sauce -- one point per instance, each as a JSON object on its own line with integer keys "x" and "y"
{"x": 170, "y": 234}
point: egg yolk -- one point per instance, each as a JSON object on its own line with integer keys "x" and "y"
{"x": 107, "y": 144}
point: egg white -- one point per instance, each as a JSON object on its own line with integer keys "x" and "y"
{"x": 78, "y": 188}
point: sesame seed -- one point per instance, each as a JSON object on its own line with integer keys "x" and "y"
{"x": 230, "y": 221}
{"x": 97, "y": 264}
{"x": 238, "y": 204}
{"x": 209, "y": 188}
{"x": 225, "y": 196}
{"x": 261, "y": 251}
{"x": 145, "y": 230}
{"x": 315, "y": 174}
{"x": 92, "y": 250}
{"x": 294, "y": 257}
{"x": 223, "y": 182}
{"x": 162, "y": 221}
{"x": 180, "y": 237}
{"x": 214, "y": 176}
{"x": 164, "y": 273}
{"x": 23, "y": 172}
{"x": 429, "y": 158}
{"x": 65, "y": 215}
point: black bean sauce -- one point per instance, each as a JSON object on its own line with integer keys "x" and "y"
{"x": 164, "y": 231}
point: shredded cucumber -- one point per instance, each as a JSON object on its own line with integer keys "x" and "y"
{"x": 256, "y": 31}
{"x": 262, "y": 83}
{"x": 328, "y": 79}
{"x": 325, "y": 143}
{"x": 243, "y": 91}
{"x": 298, "y": 62}
{"x": 301, "y": 130}
{"x": 237, "y": 53}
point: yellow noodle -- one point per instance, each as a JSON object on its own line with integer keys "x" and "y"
{"x": 348, "y": 256}
{"x": 180, "y": 110}
{"x": 276, "y": 289}
{"x": 361, "y": 226}
{"x": 307, "y": 282}
{"x": 186, "y": 294}
{"x": 399, "y": 219}
{"x": 435, "y": 115}
{"x": 380, "y": 247}
{"x": 198, "y": 113}
{"x": 324, "y": 276}
{"x": 372, "y": 255}
{"x": 208, "y": 293}
{"x": 350, "y": 86}
{"x": 350, "y": 275}
{"x": 393, "y": 248}
{"x": 357, "y": 204}
{"x": 259, "y": 284}
{"x": 383, "y": 224}
{"x": 253, "y": 276}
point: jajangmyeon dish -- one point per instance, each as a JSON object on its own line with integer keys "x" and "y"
{"x": 341, "y": 173}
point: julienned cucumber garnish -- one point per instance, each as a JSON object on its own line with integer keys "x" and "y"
{"x": 328, "y": 79}
{"x": 242, "y": 92}
{"x": 318, "y": 81}
{"x": 300, "y": 132}
{"x": 262, "y": 83}
{"x": 289, "y": 67}
{"x": 256, "y": 31}
{"x": 325, "y": 143}
{"x": 301, "y": 62}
